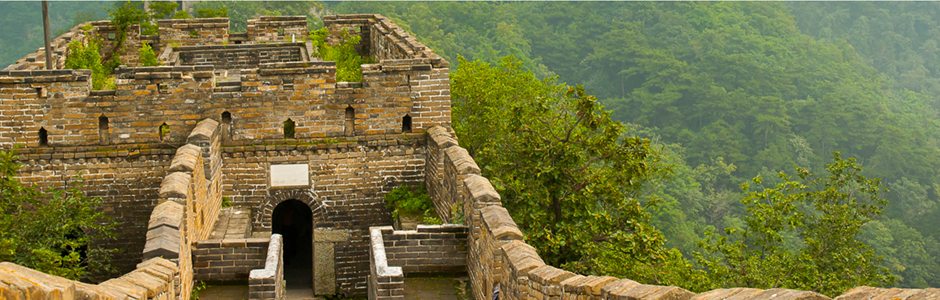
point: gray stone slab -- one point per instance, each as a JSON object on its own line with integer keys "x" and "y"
{"x": 289, "y": 175}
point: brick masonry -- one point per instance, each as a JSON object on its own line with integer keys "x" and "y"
{"x": 228, "y": 261}
{"x": 240, "y": 56}
{"x": 429, "y": 250}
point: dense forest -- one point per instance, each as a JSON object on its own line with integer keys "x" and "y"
{"x": 723, "y": 91}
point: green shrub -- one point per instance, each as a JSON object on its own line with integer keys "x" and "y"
{"x": 348, "y": 62}
{"x": 83, "y": 56}
{"x": 147, "y": 57}
{"x": 412, "y": 201}
{"x": 182, "y": 15}
{"x": 222, "y": 12}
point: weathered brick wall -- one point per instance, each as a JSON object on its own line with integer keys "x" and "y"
{"x": 431, "y": 249}
{"x": 152, "y": 279}
{"x": 243, "y": 56}
{"x": 350, "y": 180}
{"x": 276, "y": 29}
{"x": 439, "y": 138}
{"x": 189, "y": 202}
{"x": 385, "y": 282}
{"x": 192, "y": 32}
{"x": 128, "y": 185}
{"x": 268, "y": 283}
{"x": 109, "y": 36}
{"x": 228, "y": 261}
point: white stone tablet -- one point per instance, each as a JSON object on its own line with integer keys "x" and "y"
{"x": 289, "y": 175}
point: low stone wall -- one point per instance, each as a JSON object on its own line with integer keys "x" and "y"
{"x": 385, "y": 282}
{"x": 228, "y": 261}
{"x": 431, "y": 249}
{"x": 153, "y": 279}
{"x": 268, "y": 283}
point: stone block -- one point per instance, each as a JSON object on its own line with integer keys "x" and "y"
{"x": 176, "y": 186}
{"x": 500, "y": 224}
{"x": 481, "y": 190}
{"x": 186, "y": 159}
{"x": 728, "y": 294}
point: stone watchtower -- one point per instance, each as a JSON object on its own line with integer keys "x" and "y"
{"x": 250, "y": 119}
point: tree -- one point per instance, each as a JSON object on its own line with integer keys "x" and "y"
{"x": 825, "y": 215}
{"x": 162, "y": 9}
{"x": 51, "y": 232}
{"x": 569, "y": 175}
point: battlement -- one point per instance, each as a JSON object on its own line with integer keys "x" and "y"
{"x": 253, "y": 87}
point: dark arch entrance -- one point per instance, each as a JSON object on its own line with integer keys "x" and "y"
{"x": 294, "y": 221}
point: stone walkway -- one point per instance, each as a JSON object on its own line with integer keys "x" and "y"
{"x": 236, "y": 292}
{"x": 233, "y": 223}
{"x": 437, "y": 288}
{"x": 419, "y": 288}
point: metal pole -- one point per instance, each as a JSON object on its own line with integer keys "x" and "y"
{"x": 45, "y": 26}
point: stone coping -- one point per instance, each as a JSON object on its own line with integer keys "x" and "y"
{"x": 380, "y": 265}
{"x": 272, "y": 260}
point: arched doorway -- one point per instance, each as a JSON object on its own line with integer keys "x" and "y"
{"x": 294, "y": 221}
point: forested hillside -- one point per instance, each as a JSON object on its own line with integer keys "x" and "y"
{"x": 734, "y": 90}
{"x": 725, "y": 91}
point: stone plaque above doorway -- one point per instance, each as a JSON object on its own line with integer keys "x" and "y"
{"x": 289, "y": 176}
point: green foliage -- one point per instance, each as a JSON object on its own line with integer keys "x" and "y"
{"x": 194, "y": 33}
{"x": 221, "y": 12}
{"x": 88, "y": 57}
{"x": 226, "y": 201}
{"x": 51, "y": 231}
{"x": 182, "y": 14}
{"x": 570, "y": 176}
{"x": 124, "y": 14}
{"x": 162, "y": 9}
{"x": 240, "y": 11}
{"x": 147, "y": 57}
{"x": 348, "y": 62}
{"x": 412, "y": 201}
{"x": 826, "y": 214}
{"x": 198, "y": 286}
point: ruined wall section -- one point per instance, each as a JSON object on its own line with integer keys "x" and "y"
{"x": 277, "y": 29}
{"x": 109, "y": 36}
{"x": 192, "y": 32}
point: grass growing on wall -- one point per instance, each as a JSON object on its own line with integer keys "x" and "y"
{"x": 348, "y": 62}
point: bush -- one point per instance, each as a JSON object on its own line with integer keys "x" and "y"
{"x": 83, "y": 56}
{"x": 411, "y": 201}
{"x": 50, "y": 232}
{"x": 348, "y": 62}
{"x": 147, "y": 57}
